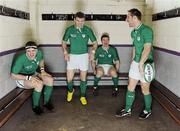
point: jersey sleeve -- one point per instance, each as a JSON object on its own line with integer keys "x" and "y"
{"x": 41, "y": 57}
{"x": 17, "y": 66}
{"x": 66, "y": 35}
{"x": 115, "y": 55}
{"x": 148, "y": 35}
{"x": 91, "y": 35}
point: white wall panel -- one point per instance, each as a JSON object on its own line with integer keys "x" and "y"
{"x": 51, "y": 31}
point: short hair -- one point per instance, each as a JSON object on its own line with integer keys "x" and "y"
{"x": 80, "y": 15}
{"x": 31, "y": 44}
{"x": 105, "y": 35}
{"x": 135, "y": 12}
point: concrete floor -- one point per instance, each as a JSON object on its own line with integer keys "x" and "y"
{"x": 98, "y": 115}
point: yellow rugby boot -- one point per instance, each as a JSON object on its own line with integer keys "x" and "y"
{"x": 69, "y": 96}
{"x": 83, "y": 100}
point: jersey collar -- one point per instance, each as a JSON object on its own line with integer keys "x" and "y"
{"x": 140, "y": 25}
{"x": 79, "y": 29}
{"x": 106, "y": 49}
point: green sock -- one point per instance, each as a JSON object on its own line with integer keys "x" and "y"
{"x": 36, "y": 98}
{"x": 130, "y": 96}
{"x": 115, "y": 81}
{"x": 70, "y": 86}
{"x": 83, "y": 86}
{"x": 148, "y": 101}
{"x": 96, "y": 81}
{"x": 47, "y": 93}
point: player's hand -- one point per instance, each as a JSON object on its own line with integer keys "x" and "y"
{"x": 66, "y": 57}
{"x": 43, "y": 73}
{"x": 117, "y": 70}
{"x": 94, "y": 72}
{"x": 91, "y": 56}
{"x": 131, "y": 61}
{"x": 35, "y": 79}
{"x": 141, "y": 69}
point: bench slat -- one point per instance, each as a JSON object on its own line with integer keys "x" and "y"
{"x": 9, "y": 97}
{"x": 14, "y": 106}
{"x": 175, "y": 114}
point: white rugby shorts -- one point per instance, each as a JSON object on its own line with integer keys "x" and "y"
{"x": 78, "y": 61}
{"x": 135, "y": 73}
{"x": 105, "y": 67}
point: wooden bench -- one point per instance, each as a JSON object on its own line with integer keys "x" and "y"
{"x": 11, "y": 103}
{"x": 169, "y": 101}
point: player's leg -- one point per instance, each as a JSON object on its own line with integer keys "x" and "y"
{"x": 97, "y": 77}
{"x": 37, "y": 84}
{"x": 70, "y": 76}
{"x": 130, "y": 97}
{"x": 71, "y": 66}
{"x": 146, "y": 112}
{"x": 83, "y": 87}
{"x": 134, "y": 77}
{"x": 113, "y": 73}
{"x": 83, "y": 67}
{"x": 48, "y": 88}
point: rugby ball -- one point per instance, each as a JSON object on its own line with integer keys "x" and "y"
{"x": 149, "y": 72}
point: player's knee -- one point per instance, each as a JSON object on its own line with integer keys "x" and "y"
{"x": 145, "y": 88}
{"x": 113, "y": 73}
{"x": 145, "y": 91}
{"x": 130, "y": 88}
{"x": 50, "y": 80}
{"x": 99, "y": 72}
{"x": 38, "y": 86}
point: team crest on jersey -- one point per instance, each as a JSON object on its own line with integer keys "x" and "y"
{"x": 37, "y": 62}
{"x": 73, "y": 35}
{"x": 138, "y": 38}
{"x": 83, "y": 35}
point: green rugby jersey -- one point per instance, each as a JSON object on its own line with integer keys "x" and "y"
{"x": 106, "y": 56}
{"x": 22, "y": 65}
{"x": 143, "y": 34}
{"x": 78, "y": 39}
